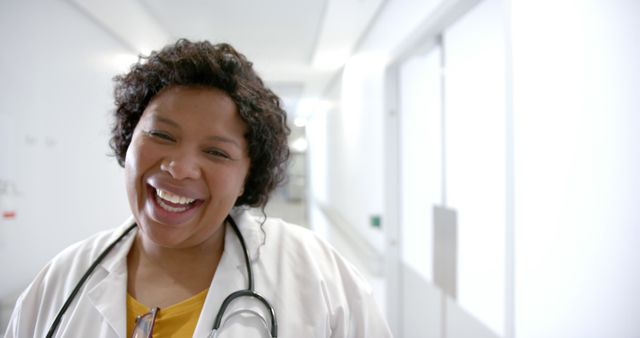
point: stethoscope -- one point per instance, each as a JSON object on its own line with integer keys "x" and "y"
{"x": 248, "y": 292}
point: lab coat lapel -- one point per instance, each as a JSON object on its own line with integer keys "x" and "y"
{"x": 251, "y": 231}
{"x": 231, "y": 275}
{"x": 109, "y": 294}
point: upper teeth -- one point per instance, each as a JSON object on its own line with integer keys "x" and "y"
{"x": 165, "y": 195}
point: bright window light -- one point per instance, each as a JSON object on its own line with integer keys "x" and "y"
{"x": 144, "y": 50}
{"x": 300, "y": 121}
{"x": 123, "y": 61}
{"x": 330, "y": 59}
{"x": 299, "y": 145}
{"x": 308, "y": 107}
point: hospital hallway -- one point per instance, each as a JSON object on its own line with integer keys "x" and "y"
{"x": 476, "y": 161}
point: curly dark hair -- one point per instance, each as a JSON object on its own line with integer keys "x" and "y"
{"x": 220, "y": 66}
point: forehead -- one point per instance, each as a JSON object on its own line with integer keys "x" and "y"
{"x": 176, "y": 98}
{"x": 196, "y": 110}
{"x": 202, "y": 103}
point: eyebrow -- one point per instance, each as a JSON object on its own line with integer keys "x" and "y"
{"x": 172, "y": 123}
{"x": 159, "y": 118}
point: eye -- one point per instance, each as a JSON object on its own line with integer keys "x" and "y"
{"x": 217, "y": 154}
{"x": 160, "y": 135}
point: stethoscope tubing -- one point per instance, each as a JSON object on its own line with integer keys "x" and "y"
{"x": 248, "y": 292}
{"x": 76, "y": 289}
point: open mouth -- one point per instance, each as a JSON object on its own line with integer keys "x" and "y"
{"x": 173, "y": 203}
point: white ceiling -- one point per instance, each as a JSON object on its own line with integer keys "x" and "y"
{"x": 296, "y": 45}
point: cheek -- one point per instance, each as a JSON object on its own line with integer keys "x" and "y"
{"x": 228, "y": 183}
{"x": 243, "y": 181}
{"x": 138, "y": 155}
{"x": 130, "y": 164}
{"x": 130, "y": 176}
{"x": 134, "y": 169}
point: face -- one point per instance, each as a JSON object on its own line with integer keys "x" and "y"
{"x": 186, "y": 165}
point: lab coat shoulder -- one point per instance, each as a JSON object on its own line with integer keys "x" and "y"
{"x": 40, "y": 302}
{"x": 325, "y": 275}
{"x": 320, "y": 258}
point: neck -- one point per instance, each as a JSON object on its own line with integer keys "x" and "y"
{"x": 207, "y": 252}
{"x": 161, "y": 276}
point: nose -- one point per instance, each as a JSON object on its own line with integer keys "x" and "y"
{"x": 181, "y": 166}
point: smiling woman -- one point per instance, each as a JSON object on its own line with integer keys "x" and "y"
{"x": 186, "y": 166}
{"x": 201, "y": 140}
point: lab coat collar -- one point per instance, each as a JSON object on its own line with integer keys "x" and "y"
{"x": 251, "y": 230}
{"x": 109, "y": 293}
{"x": 231, "y": 275}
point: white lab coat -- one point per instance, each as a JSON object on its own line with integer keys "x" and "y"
{"x": 314, "y": 291}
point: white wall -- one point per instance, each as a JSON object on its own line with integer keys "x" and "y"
{"x": 475, "y": 157}
{"x": 452, "y": 111}
{"x": 421, "y": 158}
{"x": 318, "y": 165}
{"x": 355, "y": 188}
{"x": 574, "y": 77}
{"x": 55, "y": 80}
{"x": 355, "y": 171}
{"x": 577, "y": 159}
{"x": 396, "y": 24}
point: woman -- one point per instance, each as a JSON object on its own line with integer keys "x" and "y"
{"x": 200, "y": 139}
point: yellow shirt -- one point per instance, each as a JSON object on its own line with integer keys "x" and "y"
{"x": 178, "y": 320}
